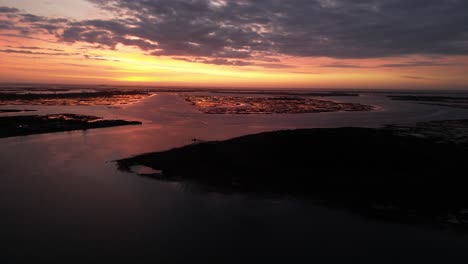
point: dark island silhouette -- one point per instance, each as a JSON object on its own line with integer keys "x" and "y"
{"x": 411, "y": 174}
{"x": 15, "y": 110}
{"x": 12, "y": 126}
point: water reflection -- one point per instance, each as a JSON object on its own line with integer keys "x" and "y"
{"x": 60, "y": 196}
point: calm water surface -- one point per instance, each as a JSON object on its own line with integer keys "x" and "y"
{"x": 62, "y": 199}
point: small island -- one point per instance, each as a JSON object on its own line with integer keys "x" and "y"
{"x": 396, "y": 172}
{"x": 270, "y": 105}
{"x": 289, "y": 93}
{"x": 39, "y": 124}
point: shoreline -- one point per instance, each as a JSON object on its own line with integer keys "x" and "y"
{"x": 7, "y": 111}
{"x": 13, "y": 126}
{"x": 214, "y": 104}
{"x": 105, "y": 98}
{"x": 384, "y": 172}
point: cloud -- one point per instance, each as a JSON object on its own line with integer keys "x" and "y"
{"x": 29, "y": 24}
{"x": 4, "y": 9}
{"x": 91, "y": 57}
{"x": 343, "y": 65}
{"x": 34, "y": 48}
{"x": 410, "y": 64}
{"x": 230, "y": 62}
{"x": 418, "y": 64}
{"x": 417, "y": 77}
{"x": 76, "y": 65}
{"x": 216, "y": 61}
{"x": 274, "y": 65}
{"x": 5, "y": 24}
{"x": 107, "y": 33}
{"x": 28, "y": 37}
{"x": 36, "y": 52}
{"x": 305, "y": 72}
{"x": 31, "y": 18}
{"x": 9, "y": 41}
{"x": 227, "y": 62}
{"x": 338, "y": 29}
{"x": 243, "y": 32}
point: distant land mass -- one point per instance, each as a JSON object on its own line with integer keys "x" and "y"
{"x": 112, "y": 97}
{"x": 29, "y": 125}
{"x": 407, "y": 173}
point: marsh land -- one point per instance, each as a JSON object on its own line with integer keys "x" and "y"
{"x": 106, "y": 98}
{"x": 270, "y": 105}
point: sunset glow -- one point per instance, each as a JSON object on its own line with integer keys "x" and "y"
{"x": 89, "y": 42}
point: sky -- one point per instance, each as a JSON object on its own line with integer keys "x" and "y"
{"x": 369, "y": 44}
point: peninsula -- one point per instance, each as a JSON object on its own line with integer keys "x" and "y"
{"x": 39, "y": 124}
{"x": 413, "y": 173}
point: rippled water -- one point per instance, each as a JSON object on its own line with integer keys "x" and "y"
{"x": 62, "y": 199}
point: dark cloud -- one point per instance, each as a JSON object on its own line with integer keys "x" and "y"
{"x": 242, "y": 32}
{"x": 221, "y": 61}
{"x": 418, "y": 64}
{"x": 5, "y": 24}
{"x": 227, "y": 62}
{"x": 76, "y": 65}
{"x": 25, "y": 47}
{"x": 91, "y": 57}
{"x": 331, "y": 28}
{"x": 31, "y": 18}
{"x": 217, "y": 61}
{"x": 27, "y": 24}
{"x": 50, "y": 28}
{"x": 107, "y": 33}
{"x": 5, "y": 9}
{"x": 267, "y": 59}
{"x": 410, "y": 64}
{"x": 36, "y": 52}
{"x": 34, "y": 48}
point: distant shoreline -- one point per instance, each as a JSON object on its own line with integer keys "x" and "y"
{"x": 15, "y": 110}
{"x": 106, "y": 98}
{"x": 13, "y": 126}
{"x": 227, "y": 89}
